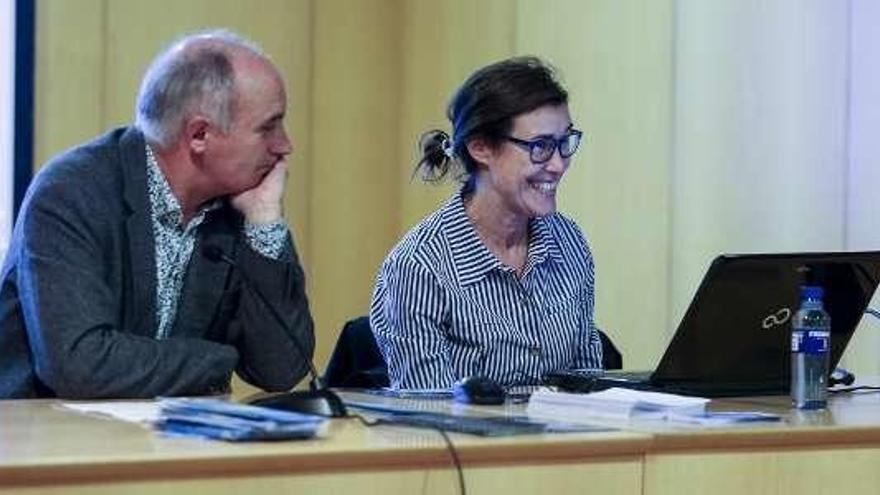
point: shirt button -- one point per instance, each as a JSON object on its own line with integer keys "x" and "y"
{"x": 535, "y": 351}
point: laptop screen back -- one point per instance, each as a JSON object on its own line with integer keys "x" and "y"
{"x": 737, "y": 328}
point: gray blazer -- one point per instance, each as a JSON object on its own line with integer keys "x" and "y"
{"x": 78, "y": 293}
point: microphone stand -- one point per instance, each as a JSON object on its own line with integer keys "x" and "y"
{"x": 319, "y": 399}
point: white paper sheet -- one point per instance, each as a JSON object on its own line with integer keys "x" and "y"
{"x": 613, "y": 404}
{"x": 145, "y": 412}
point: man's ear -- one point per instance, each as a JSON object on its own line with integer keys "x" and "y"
{"x": 196, "y": 134}
{"x": 481, "y": 151}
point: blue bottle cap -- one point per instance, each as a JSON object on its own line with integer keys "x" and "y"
{"x": 812, "y": 292}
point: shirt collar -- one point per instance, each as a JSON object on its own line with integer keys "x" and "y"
{"x": 166, "y": 208}
{"x": 472, "y": 260}
{"x": 542, "y": 244}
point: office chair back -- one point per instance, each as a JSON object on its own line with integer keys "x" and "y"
{"x": 611, "y": 357}
{"x": 356, "y": 361}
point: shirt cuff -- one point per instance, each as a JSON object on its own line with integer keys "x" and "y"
{"x": 267, "y": 239}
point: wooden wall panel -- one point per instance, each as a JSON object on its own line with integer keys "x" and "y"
{"x": 615, "y": 58}
{"x": 354, "y": 193}
{"x": 137, "y": 31}
{"x": 69, "y": 82}
{"x": 443, "y": 43}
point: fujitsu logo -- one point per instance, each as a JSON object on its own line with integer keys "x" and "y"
{"x": 776, "y": 319}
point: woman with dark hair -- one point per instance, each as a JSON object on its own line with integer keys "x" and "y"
{"x": 495, "y": 283}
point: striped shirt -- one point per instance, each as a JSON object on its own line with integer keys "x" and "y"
{"x": 445, "y": 307}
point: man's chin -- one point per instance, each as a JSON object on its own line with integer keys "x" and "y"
{"x": 235, "y": 190}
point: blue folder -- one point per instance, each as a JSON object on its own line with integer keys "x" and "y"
{"x": 223, "y": 420}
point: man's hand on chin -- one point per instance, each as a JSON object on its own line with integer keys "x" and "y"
{"x": 262, "y": 203}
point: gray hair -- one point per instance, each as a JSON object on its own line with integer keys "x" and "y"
{"x": 194, "y": 74}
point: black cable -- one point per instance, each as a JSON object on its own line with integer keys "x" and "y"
{"x": 364, "y": 421}
{"x": 450, "y": 447}
{"x": 869, "y": 388}
{"x": 455, "y": 460}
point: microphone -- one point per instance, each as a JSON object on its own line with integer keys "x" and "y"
{"x": 319, "y": 399}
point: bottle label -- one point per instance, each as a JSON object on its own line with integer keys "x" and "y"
{"x": 815, "y": 342}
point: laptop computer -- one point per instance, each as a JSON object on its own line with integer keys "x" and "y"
{"x": 734, "y": 339}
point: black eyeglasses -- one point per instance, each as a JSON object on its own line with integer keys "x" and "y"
{"x": 541, "y": 149}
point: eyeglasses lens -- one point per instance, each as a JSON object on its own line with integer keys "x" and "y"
{"x": 569, "y": 144}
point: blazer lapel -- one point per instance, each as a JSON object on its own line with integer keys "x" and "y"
{"x": 140, "y": 284}
{"x": 206, "y": 280}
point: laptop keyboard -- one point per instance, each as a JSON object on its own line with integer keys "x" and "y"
{"x": 483, "y": 426}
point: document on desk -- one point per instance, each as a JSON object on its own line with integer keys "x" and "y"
{"x": 613, "y": 404}
{"x": 208, "y": 418}
{"x": 142, "y": 411}
{"x": 619, "y": 406}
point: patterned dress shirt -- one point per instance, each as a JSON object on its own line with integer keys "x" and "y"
{"x": 175, "y": 242}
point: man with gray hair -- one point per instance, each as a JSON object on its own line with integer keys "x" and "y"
{"x": 136, "y": 257}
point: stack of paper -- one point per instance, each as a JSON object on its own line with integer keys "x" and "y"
{"x": 218, "y": 419}
{"x": 143, "y": 411}
{"x": 617, "y": 404}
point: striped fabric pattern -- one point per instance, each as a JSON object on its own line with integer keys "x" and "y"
{"x": 444, "y": 307}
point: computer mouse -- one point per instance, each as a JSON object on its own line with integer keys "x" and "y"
{"x": 478, "y": 390}
{"x": 841, "y": 376}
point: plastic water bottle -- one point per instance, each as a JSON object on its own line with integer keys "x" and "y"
{"x": 810, "y": 345}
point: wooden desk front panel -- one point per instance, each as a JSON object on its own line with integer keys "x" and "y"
{"x": 842, "y": 471}
{"x": 617, "y": 475}
{"x": 44, "y": 450}
{"x": 47, "y": 451}
{"x": 834, "y": 451}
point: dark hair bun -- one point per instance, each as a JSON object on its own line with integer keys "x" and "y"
{"x": 434, "y": 164}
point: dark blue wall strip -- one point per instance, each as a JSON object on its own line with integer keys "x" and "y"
{"x": 23, "y": 148}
